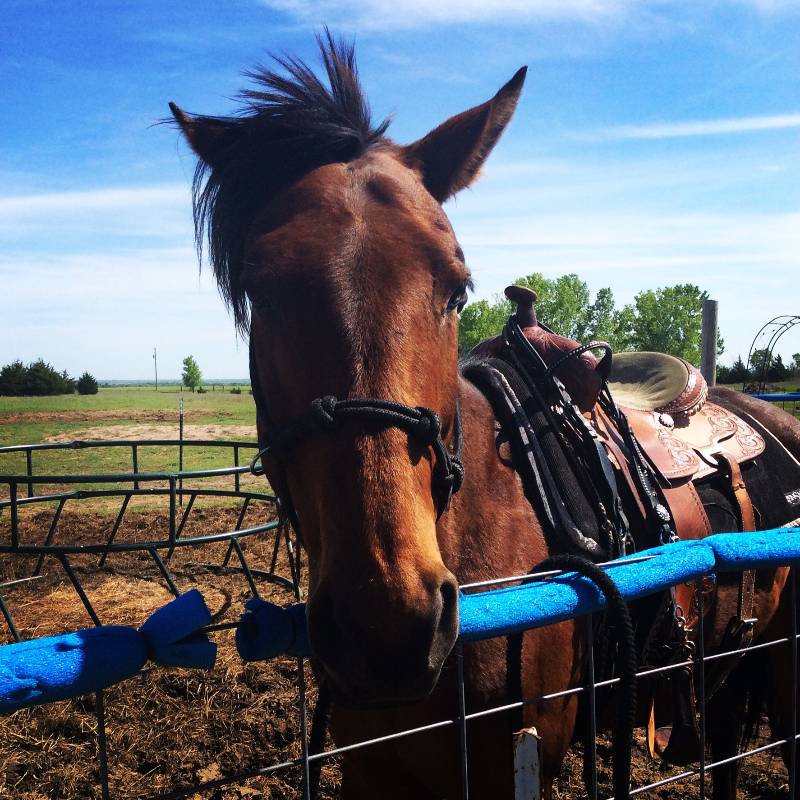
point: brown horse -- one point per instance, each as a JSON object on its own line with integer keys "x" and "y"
{"x": 331, "y": 246}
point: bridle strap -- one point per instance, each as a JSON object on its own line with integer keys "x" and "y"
{"x": 326, "y": 414}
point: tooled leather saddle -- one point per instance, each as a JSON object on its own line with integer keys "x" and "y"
{"x": 679, "y": 435}
{"x": 631, "y": 438}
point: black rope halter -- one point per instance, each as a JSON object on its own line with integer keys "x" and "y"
{"x": 326, "y": 414}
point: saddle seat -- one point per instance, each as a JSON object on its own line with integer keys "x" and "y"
{"x": 657, "y": 382}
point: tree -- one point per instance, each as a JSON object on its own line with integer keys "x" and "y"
{"x": 42, "y": 379}
{"x": 564, "y": 304}
{"x": 37, "y": 379}
{"x": 87, "y": 384}
{"x": 777, "y": 371}
{"x": 191, "y": 373}
{"x": 760, "y": 361}
{"x": 666, "y": 320}
{"x": 481, "y": 320}
{"x": 739, "y": 372}
{"x": 12, "y": 379}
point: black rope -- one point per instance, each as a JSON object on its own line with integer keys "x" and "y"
{"x": 622, "y": 734}
{"x": 423, "y": 424}
{"x": 319, "y": 731}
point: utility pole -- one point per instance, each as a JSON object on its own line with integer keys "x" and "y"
{"x": 155, "y": 365}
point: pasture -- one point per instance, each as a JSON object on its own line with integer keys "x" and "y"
{"x": 125, "y": 412}
{"x": 173, "y": 728}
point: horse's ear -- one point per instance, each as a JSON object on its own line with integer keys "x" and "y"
{"x": 451, "y": 155}
{"x": 209, "y": 137}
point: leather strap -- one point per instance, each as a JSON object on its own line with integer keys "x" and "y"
{"x": 744, "y": 608}
{"x": 691, "y": 520}
{"x": 612, "y": 442}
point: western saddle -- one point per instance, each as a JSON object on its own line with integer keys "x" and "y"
{"x": 650, "y": 415}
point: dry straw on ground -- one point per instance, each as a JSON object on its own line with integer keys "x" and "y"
{"x": 169, "y": 728}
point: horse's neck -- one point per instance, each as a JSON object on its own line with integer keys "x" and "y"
{"x": 491, "y": 529}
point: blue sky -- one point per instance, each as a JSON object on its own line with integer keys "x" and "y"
{"x": 655, "y": 143}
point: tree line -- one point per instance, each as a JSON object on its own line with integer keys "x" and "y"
{"x": 666, "y": 320}
{"x": 40, "y": 378}
{"x": 761, "y": 366}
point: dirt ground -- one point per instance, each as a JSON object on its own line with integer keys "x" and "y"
{"x": 153, "y": 431}
{"x": 172, "y": 728}
{"x": 83, "y": 415}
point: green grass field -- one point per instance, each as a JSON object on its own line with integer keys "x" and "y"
{"x": 128, "y": 413}
{"x": 136, "y": 412}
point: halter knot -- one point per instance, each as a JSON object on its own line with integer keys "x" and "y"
{"x": 323, "y": 411}
{"x": 456, "y": 473}
{"x": 428, "y": 427}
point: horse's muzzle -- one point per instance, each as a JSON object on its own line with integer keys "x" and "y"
{"x": 384, "y": 653}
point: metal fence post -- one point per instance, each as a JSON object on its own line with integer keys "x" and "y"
{"x": 708, "y": 342}
{"x": 180, "y": 450}
{"x": 462, "y": 721}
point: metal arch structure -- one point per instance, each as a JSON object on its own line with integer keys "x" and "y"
{"x": 770, "y": 332}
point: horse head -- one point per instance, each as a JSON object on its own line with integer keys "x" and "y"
{"x": 330, "y": 244}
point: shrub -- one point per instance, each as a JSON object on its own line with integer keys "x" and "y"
{"x": 87, "y": 384}
{"x": 201, "y": 390}
{"x": 42, "y": 379}
{"x": 12, "y": 378}
{"x": 236, "y": 390}
{"x": 38, "y": 378}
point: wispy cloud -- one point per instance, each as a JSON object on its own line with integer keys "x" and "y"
{"x": 411, "y": 13}
{"x": 105, "y": 217}
{"x": 379, "y": 14}
{"x": 105, "y": 311}
{"x": 93, "y": 199}
{"x": 710, "y": 127}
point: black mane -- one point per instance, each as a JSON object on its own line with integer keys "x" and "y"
{"x": 288, "y": 125}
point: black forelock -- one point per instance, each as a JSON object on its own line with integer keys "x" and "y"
{"x": 288, "y": 124}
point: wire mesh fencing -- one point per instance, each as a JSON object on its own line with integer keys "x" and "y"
{"x": 44, "y": 554}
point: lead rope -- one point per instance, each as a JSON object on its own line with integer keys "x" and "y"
{"x": 622, "y": 734}
{"x": 319, "y": 731}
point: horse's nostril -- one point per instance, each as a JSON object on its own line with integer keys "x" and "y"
{"x": 449, "y": 590}
{"x": 448, "y": 622}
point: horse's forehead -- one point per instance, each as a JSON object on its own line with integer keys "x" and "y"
{"x": 371, "y": 189}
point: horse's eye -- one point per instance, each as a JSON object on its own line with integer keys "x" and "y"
{"x": 458, "y": 299}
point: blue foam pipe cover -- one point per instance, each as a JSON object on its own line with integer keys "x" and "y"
{"x": 169, "y": 633}
{"x": 517, "y": 608}
{"x": 266, "y": 631}
{"x": 737, "y": 551}
{"x": 57, "y": 667}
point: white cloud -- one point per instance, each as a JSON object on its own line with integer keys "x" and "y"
{"x": 60, "y": 220}
{"x": 93, "y": 200}
{"x": 96, "y": 278}
{"x": 711, "y": 127}
{"x": 411, "y": 13}
{"x": 405, "y": 14}
{"x": 106, "y": 311}
{"x": 722, "y": 221}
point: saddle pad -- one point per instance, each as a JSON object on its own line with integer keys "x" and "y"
{"x": 687, "y": 449}
{"x": 656, "y": 382}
